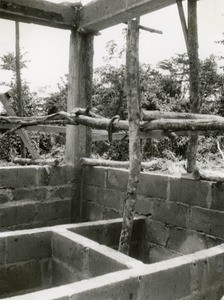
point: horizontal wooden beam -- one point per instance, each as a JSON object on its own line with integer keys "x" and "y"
{"x": 41, "y": 12}
{"x": 101, "y": 14}
{"x": 114, "y": 163}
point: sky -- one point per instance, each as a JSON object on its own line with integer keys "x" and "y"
{"x": 48, "y": 48}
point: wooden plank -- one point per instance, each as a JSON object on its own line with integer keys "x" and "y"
{"x": 194, "y": 80}
{"x": 101, "y": 14}
{"x": 21, "y": 132}
{"x": 41, "y": 12}
{"x": 79, "y": 138}
{"x": 135, "y": 153}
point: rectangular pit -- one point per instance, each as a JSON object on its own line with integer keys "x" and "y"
{"x": 72, "y": 262}
{"x": 34, "y": 260}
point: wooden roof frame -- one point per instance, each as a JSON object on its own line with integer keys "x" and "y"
{"x": 41, "y": 12}
{"x": 95, "y": 16}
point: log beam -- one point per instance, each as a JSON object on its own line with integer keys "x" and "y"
{"x": 101, "y": 14}
{"x": 113, "y": 163}
{"x": 41, "y": 12}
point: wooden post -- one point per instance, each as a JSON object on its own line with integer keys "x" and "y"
{"x": 19, "y": 85}
{"x": 78, "y": 138}
{"x": 134, "y": 115}
{"x": 194, "y": 79}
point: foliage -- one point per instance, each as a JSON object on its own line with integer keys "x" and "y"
{"x": 57, "y": 101}
{"x": 9, "y": 62}
{"x": 31, "y": 102}
{"x": 165, "y": 88}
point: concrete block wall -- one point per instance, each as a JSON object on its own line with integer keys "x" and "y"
{"x": 183, "y": 215}
{"x": 25, "y": 262}
{"x": 112, "y": 275}
{"x": 38, "y": 259}
{"x": 35, "y": 196}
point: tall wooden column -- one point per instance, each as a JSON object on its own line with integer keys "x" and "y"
{"x": 78, "y": 138}
{"x": 134, "y": 117}
{"x": 194, "y": 79}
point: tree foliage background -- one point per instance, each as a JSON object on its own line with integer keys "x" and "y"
{"x": 165, "y": 88}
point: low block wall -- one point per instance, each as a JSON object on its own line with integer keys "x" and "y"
{"x": 35, "y": 196}
{"x": 183, "y": 215}
{"x": 106, "y": 273}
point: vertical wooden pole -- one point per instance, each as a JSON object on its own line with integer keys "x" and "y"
{"x": 78, "y": 138}
{"x": 19, "y": 84}
{"x": 194, "y": 79}
{"x": 134, "y": 115}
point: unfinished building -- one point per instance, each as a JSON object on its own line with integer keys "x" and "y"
{"x": 61, "y": 225}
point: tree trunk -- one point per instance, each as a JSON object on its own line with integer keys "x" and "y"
{"x": 194, "y": 80}
{"x": 135, "y": 156}
{"x": 19, "y": 85}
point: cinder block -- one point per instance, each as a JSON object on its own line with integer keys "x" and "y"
{"x": 92, "y": 211}
{"x": 96, "y": 233}
{"x": 155, "y": 232}
{"x": 89, "y": 193}
{"x": 62, "y": 274}
{"x": 112, "y": 213}
{"x": 173, "y": 283}
{"x": 207, "y": 221}
{"x": 95, "y": 176}
{"x": 117, "y": 179}
{"x": 18, "y": 177}
{"x": 59, "y": 175}
{"x": 208, "y": 273}
{"x": 61, "y": 192}
{"x": 153, "y": 185}
{"x": 217, "y": 196}
{"x": 170, "y": 212}
{"x": 109, "y": 198}
{"x": 20, "y": 277}
{"x": 2, "y": 251}
{"x": 5, "y": 195}
{"x": 53, "y": 210}
{"x": 67, "y": 251}
{"x": 199, "y": 219}
{"x": 186, "y": 241}
{"x": 30, "y": 194}
{"x": 17, "y": 215}
{"x": 27, "y": 247}
{"x": 54, "y": 222}
{"x": 144, "y": 205}
{"x": 160, "y": 253}
{"x": 188, "y": 191}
